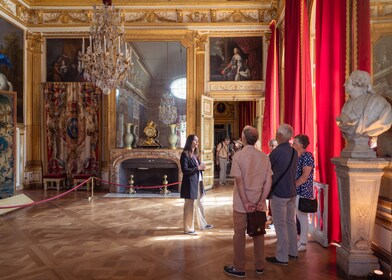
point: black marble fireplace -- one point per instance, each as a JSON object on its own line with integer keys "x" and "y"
{"x": 149, "y": 172}
{"x": 148, "y": 166}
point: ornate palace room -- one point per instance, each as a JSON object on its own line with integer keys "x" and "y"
{"x": 97, "y": 99}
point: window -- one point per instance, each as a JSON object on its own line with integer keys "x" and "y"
{"x": 178, "y": 88}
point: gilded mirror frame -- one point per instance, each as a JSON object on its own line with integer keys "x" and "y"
{"x": 186, "y": 38}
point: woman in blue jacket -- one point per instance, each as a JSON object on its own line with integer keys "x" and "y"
{"x": 192, "y": 187}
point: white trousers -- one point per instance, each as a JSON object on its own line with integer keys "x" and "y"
{"x": 304, "y": 223}
{"x": 189, "y": 206}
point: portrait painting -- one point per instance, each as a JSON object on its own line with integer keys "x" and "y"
{"x": 236, "y": 58}
{"x": 62, "y": 58}
{"x": 11, "y": 62}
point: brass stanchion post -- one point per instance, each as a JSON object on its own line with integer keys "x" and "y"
{"x": 131, "y": 182}
{"x": 92, "y": 188}
{"x": 165, "y": 182}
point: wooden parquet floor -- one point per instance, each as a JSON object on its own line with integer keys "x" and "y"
{"x": 136, "y": 238}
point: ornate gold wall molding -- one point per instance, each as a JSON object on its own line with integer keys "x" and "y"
{"x": 34, "y": 42}
{"x": 236, "y": 86}
{"x": 150, "y": 16}
{"x": 201, "y": 40}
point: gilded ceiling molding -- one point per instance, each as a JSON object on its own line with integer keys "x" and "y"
{"x": 380, "y": 10}
{"x": 238, "y": 16}
{"x": 66, "y": 17}
{"x": 197, "y": 17}
{"x": 180, "y": 15}
{"x": 81, "y": 17}
{"x": 34, "y": 42}
{"x": 6, "y": 5}
{"x": 151, "y": 16}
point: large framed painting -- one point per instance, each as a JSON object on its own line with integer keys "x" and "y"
{"x": 62, "y": 60}
{"x": 7, "y": 143}
{"x": 236, "y": 58}
{"x": 11, "y": 62}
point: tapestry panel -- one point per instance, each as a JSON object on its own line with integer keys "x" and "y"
{"x": 72, "y": 113}
{"x": 7, "y": 142}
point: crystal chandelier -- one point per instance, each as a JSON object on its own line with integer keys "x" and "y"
{"x": 107, "y": 58}
{"x": 167, "y": 109}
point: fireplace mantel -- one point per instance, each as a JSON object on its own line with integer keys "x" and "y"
{"x": 117, "y": 156}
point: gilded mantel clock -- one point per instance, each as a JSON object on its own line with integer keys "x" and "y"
{"x": 151, "y": 132}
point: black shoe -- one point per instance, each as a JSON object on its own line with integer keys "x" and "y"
{"x": 208, "y": 226}
{"x": 233, "y": 272}
{"x": 259, "y": 271}
{"x": 275, "y": 261}
{"x": 293, "y": 258}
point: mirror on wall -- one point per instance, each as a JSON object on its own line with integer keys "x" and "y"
{"x": 155, "y": 91}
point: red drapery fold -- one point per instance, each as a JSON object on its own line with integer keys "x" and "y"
{"x": 247, "y": 114}
{"x": 363, "y": 35}
{"x": 330, "y": 77}
{"x": 298, "y": 83}
{"x": 271, "y": 107}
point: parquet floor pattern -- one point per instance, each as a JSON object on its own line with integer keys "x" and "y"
{"x": 135, "y": 238}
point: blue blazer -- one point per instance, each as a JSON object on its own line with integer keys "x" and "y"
{"x": 190, "y": 177}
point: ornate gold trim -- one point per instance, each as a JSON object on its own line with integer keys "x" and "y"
{"x": 44, "y": 16}
{"x": 226, "y": 86}
{"x": 34, "y": 42}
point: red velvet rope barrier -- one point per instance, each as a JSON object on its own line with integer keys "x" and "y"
{"x": 81, "y": 184}
{"x": 48, "y": 199}
{"x": 137, "y": 187}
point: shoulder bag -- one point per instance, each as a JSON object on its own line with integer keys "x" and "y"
{"x": 255, "y": 222}
{"x": 307, "y": 205}
{"x": 281, "y": 176}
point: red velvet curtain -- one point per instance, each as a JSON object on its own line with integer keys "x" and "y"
{"x": 330, "y": 78}
{"x": 363, "y": 35}
{"x": 247, "y": 114}
{"x": 298, "y": 96}
{"x": 271, "y": 107}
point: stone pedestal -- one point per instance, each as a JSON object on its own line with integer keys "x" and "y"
{"x": 359, "y": 185}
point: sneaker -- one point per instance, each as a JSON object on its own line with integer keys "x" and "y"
{"x": 208, "y": 226}
{"x": 233, "y": 272}
{"x": 275, "y": 261}
{"x": 293, "y": 258}
{"x": 259, "y": 271}
{"x": 302, "y": 247}
{"x": 191, "y": 232}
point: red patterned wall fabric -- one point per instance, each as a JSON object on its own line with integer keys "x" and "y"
{"x": 72, "y": 126}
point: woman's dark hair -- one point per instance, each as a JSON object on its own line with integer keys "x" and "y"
{"x": 188, "y": 145}
{"x": 303, "y": 140}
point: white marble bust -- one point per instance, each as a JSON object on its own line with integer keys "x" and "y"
{"x": 365, "y": 114}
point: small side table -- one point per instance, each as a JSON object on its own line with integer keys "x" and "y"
{"x": 54, "y": 180}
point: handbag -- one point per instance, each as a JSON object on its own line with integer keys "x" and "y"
{"x": 255, "y": 223}
{"x": 307, "y": 205}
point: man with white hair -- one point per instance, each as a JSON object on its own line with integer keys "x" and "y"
{"x": 284, "y": 161}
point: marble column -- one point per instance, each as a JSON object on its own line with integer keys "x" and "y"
{"x": 359, "y": 185}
